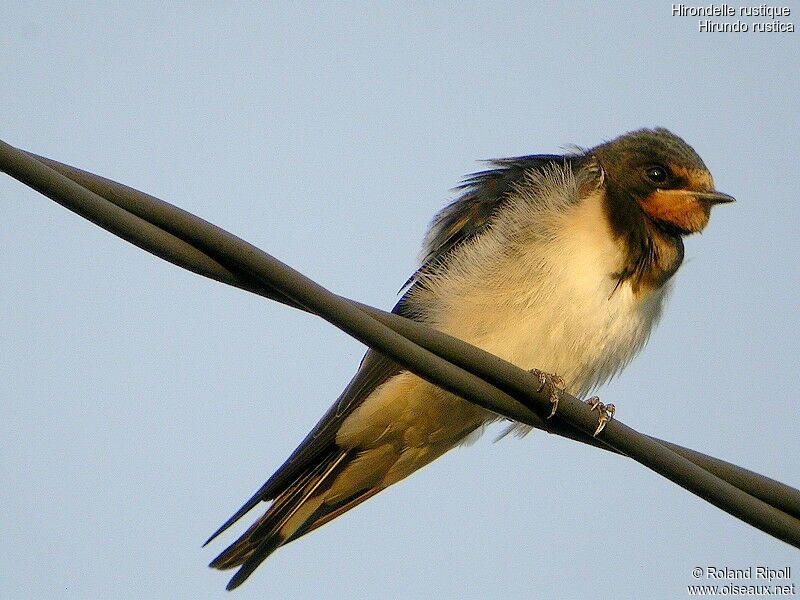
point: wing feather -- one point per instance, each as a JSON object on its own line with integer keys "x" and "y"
{"x": 483, "y": 194}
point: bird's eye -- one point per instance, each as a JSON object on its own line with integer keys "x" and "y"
{"x": 658, "y": 174}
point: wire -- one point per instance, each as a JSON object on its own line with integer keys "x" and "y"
{"x": 194, "y": 244}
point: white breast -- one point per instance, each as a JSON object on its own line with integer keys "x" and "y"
{"x": 537, "y": 290}
{"x": 552, "y": 303}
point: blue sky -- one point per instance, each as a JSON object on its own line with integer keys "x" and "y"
{"x": 143, "y": 404}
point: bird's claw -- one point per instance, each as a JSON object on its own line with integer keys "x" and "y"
{"x": 606, "y": 413}
{"x": 556, "y": 385}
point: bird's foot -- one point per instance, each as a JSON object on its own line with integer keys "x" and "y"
{"x": 556, "y": 385}
{"x": 606, "y": 412}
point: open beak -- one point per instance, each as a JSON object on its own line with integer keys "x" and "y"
{"x": 712, "y": 198}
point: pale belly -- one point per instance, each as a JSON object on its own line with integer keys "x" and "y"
{"x": 558, "y": 310}
{"x": 407, "y": 422}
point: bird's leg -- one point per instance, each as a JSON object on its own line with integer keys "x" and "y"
{"x": 556, "y": 385}
{"x": 606, "y": 412}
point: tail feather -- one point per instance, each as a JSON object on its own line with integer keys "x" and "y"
{"x": 268, "y": 525}
{"x": 275, "y": 528}
{"x": 328, "y": 513}
{"x": 321, "y": 516}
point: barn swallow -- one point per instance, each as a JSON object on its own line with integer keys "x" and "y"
{"x": 556, "y": 263}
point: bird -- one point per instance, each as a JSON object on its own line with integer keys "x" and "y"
{"x": 557, "y": 263}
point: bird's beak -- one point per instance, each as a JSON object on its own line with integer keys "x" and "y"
{"x": 712, "y": 198}
{"x": 686, "y": 210}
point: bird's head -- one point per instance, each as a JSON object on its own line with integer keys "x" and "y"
{"x": 664, "y": 177}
